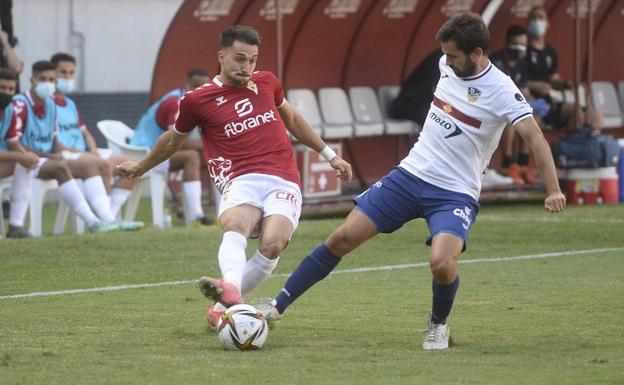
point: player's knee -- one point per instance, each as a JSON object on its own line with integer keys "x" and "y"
{"x": 443, "y": 269}
{"x": 60, "y": 170}
{"x": 236, "y": 225}
{"x": 272, "y": 247}
{"x": 340, "y": 241}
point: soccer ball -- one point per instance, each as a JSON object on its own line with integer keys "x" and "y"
{"x": 241, "y": 327}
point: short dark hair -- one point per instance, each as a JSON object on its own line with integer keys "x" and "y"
{"x": 62, "y": 56}
{"x": 515, "y": 30}
{"x": 42, "y": 65}
{"x": 467, "y": 30}
{"x": 7, "y": 74}
{"x": 242, "y": 33}
{"x": 196, "y": 72}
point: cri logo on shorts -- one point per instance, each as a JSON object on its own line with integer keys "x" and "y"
{"x": 286, "y": 196}
{"x": 465, "y": 215}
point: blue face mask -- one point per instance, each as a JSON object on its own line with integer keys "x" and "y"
{"x": 65, "y": 86}
{"x": 537, "y": 27}
{"x": 45, "y": 89}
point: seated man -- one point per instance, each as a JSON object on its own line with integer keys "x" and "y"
{"x": 21, "y": 182}
{"x": 160, "y": 117}
{"x": 511, "y": 60}
{"x": 33, "y": 123}
{"x": 73, "y": 134}
{"x": 542, "y": 72}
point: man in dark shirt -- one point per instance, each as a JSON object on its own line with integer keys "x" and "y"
{"x": 511, "y": 60}
{"x": 542, "y": 70}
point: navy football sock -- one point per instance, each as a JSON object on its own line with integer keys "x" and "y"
{"x": 443, "y": 297}
{"x": 312, "y": 269}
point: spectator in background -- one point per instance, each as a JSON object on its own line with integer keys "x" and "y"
{"x": 33, "y": 123}
{"x": 22, "y": 178}
{"x": 416, "y": 93}
{"x": 160, "y": 117}
{"x": 511, "y": 60}
{"x": 542, "y": 71}
{"x": 74, "y": 134}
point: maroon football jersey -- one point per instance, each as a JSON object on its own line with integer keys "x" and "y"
{"x": 241, "y": 128}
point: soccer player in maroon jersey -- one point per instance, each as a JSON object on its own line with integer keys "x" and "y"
{"x": 244, "y": 119}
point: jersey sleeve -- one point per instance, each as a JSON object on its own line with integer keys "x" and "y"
{"x": 167, "y": 113}
{"x": 278, "y": 90}
{"x": 187, "y": 116}
{"x": 18, "y": 121}
{"x": 510, "y": 105}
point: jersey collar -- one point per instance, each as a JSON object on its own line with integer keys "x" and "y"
{"x": 216, "y": 81}
{"x": 481, "y": 74}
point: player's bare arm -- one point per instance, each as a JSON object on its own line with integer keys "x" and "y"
{"x": 168, "y": 143}
{"x": 19, "y": 154}
{"x": 529, "y": 130}
{"x": 90, "y": 141}
{"x": 300, "y": 129}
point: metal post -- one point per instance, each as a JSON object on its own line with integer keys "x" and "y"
{"x": 279, "y": 34}
{"x": 576, "y": 62}
{"x": 589, "y": 101}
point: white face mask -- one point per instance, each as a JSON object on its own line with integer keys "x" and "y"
{"x": 538, "y": 27}
{"x": 65, "y": 86}
{"x": 45, "y": 89}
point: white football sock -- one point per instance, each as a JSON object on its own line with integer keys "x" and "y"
{"x": 72, "y": 195}
{"x": 232, "y": 257}
{"x": 219, "y": 307}
{"x": 20, "y": 195}
{"x": 257, "y": 270}
{"x": 192, "y": 194}
{"x": 95, "y": 192}
{"x": 118, "y": 197}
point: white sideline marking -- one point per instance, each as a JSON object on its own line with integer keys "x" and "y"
{"x": 546, "y": 219}
{"x": 346, "y": 271}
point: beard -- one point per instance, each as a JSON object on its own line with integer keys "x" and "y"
{"x": 468, "y": 70}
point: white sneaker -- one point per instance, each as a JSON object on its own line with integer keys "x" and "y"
{"x": 270, "y": 314}
{"x": 493, "y": 179}
{"x": 436, "y": 337}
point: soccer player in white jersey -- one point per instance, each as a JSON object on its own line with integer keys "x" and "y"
{"x": 243, "y": 117}
{"x": 440, "y": 179}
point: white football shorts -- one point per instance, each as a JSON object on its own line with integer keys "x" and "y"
{"x": 271, "y": 194}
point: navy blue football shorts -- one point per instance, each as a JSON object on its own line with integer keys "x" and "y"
{"x": 401, "y": 196}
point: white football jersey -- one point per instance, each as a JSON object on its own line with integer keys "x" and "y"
{"x": 463, "y": 127}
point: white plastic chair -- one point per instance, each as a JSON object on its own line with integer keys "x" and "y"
{"x": 5, "y": 185}
{"x": 366, "y": 111}
{"x": 40, "y": 188}
{"x": 394, "y": 126}
{"x": 117, "y": 135}
{"x": 607, "y": 103}
{"x": 336, "y": 113}
{"x": 304, "y": 101}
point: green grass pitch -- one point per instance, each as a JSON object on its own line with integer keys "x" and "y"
{"x": 547, "y": 319}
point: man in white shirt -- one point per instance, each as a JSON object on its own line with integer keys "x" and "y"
{"x": 440, "y": 179}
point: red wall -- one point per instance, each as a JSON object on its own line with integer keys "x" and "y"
{"x": 369, "y": 46}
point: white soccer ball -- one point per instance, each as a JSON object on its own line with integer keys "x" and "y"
{"x": 241, "y": 327}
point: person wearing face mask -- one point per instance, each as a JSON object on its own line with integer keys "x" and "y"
{"x": 160, "y": 117}
{"x": 72, "y": 132}
{"x": 34, "y": 125}
{"x": 18, "y": 163}
{"x": 511, "y": 61}
{"x": 541, "y": 59}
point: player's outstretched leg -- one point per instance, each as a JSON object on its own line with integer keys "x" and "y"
{"x": 356, "y": 229}
{"x": 445, "y": 250}
{"x": 237, "y": 223}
